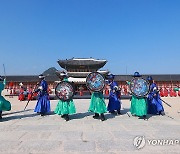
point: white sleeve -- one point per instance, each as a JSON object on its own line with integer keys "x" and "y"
{"x": 40, "y": 87}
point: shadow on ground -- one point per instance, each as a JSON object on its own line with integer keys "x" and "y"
{"x": 9, "y": 113}
{"x": 15, "y": 117}
{"x": 81, "y": 115}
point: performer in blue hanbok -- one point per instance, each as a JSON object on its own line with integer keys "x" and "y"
{"x": 4, "y": 104}
{"x": 114, "y": 102}
{"x": 43, "y": 104}
{"x": 154, "y": 102}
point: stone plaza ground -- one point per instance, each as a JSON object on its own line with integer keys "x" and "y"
{"x": 25, "y": 132}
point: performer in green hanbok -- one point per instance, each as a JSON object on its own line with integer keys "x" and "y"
{"x": 64, "y": 108}
{"x": 97, "y": 105}
{"x": 138, "y": 105}
{"x": 4, "y": 104}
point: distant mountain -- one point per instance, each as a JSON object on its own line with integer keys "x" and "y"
{"x": 50, "y": 72}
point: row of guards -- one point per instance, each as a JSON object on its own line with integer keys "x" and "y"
{"x": 125, "y": 89}
{"x": 172, "y": 92}
{"x": 23, "y": 93}
{"x": 164, "y": 92}
{"x": 27, "y": 93}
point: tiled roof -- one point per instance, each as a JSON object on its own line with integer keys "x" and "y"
{"x": 157, "y": 77}
{"x": 30, "y": 78}
{"x": 81, "y": 63}
{"x": 34, "y": 78}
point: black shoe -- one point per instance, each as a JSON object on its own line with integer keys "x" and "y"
{"x": 162, "y": 113}
{"x": 112, "y": 112}
{"x": 96, "y": 116}
{"x": 143, "y": 117}
{"x": 0, "y": 116}
{"x": 102, "y": 117}
{"x": 42, "y": 114}
{"x": 62, "y": 116}
{"x": 66, "y": 117}
{"x": 118, "y": 112}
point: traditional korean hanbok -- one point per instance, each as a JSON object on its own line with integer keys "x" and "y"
{"x": 166, "y": 92}
{"x": 97, "y": 105}
{"x": 4, "y": 104}
{"x": 64, "y": 108}
{"x": 21, "y": 96}
{"x": 43, "y": 104}
{"x": 114, "y": 102}
{"x": 155, "y": 105}
{"x": 138, "y": 105}
{"x": 30, "y": 94}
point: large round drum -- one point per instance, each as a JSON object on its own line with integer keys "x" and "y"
{"x": 139, "y": 87}
{"x": 64, "y": 91}
{"x": 95, "y": 82}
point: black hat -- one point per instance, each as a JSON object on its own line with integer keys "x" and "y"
{"x": 63, "y": 74}
{"x": 136, "y": 74}
{"x": 111, "y": 76}
{"x": 149, "y": 78}
{"x": 41, "y": 76}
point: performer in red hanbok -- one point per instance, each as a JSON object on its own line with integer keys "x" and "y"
{"x": 162, "y": 92}
{"x": 171, "y": 92}
{"x": 81, "y": 89}
{"x": 11, "y": 84}
{"x": 165, "y": 92}
{"x": 21, "y": 92}
{"x": 174, "y": 93}
{"x": 14, "y": 91}
{"x": 125, "y": 90}
{"x": 106, "y": 91}
{"x": 30, "y": 93}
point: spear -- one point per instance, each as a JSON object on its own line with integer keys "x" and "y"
{"x": 165, "y": 103}
{"x": 31, "y": 96}
{"x": 28, "y": 102}
{"x": 162, "y": 99}
{"x": 4, "y": 70}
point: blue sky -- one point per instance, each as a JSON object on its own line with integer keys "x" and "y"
{"x": 140, "y": 35}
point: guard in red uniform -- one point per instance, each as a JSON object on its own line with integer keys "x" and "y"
{"x": 21, "y": 92}
{"x": 162, "y": 92}
{"x": 106, "y": 91}
{"x": 171, "y": 92}
{"x": 30, "y": 93}
{"x": 166, "y": 92}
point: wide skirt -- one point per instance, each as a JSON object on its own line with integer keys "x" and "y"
{"x": 97, "y": 104}
{"x": 114, "y": 103}
{"x": 4, "y": 104}
{"x": 155, "y": 106}
{"x": 43, "y": 105}
{"x": 138, "y": 106}
{"x": 65, "y": 107}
